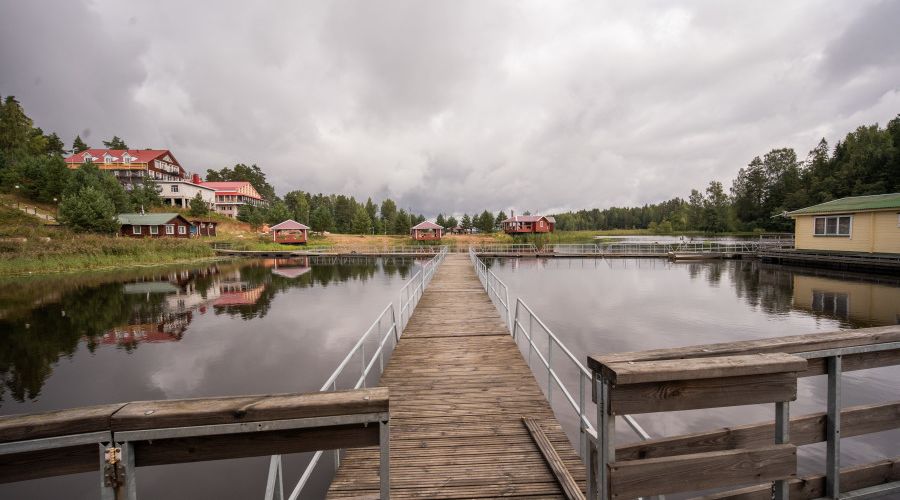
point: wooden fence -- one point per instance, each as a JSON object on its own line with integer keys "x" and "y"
{"x": 734, "y": 374}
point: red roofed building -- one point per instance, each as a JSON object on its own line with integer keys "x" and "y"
{"x": 525, "y": 224}
{"x": 231, "y": 195}
{"x": 132, "y": 166}
{"x": 289, "y": 232}
{"x": 426, "y": 231}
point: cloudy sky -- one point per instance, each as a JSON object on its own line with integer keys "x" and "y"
{"x": 458, "y": 105}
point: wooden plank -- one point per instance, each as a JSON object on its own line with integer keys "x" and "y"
{"x": 57, "y": 423}
{"x": 790, "y": 345}
{"x": 636, "y": 372}
{"x": 569, "y": 486}
{"x": 49, "y": 463}
{"x": 702, "y": 393}
{"x": 806, "y": 429}
{"x": 810, "y": 487}
{"x": 256, "y": 444}
{"x": 699, "y": 471}
{"x": 227, "y": 410}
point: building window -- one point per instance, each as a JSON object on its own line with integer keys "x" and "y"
{"x": 170, "y": 228}
{"x": 107, "y": 159}
{"x": 831, "y": 303}
{"x": 182, "y": 230}
{"x": 126, "y": 159}
{"x": 833, "y": 226}
{"x": 154, "y": 229}
{"x": 174, "y": 188}
{"x": 135, "y": 229}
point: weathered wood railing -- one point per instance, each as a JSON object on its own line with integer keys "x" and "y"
{"x": 734, "y": 374}
{"x": 145, "y": 433}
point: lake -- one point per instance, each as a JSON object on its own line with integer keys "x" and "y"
{"x": 229, "y": 328}
{"x": 618, "y": 305}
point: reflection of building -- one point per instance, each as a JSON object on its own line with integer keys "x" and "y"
{"x": 861, "y": 301}
{"x": 238, "y": 294}
{"x": 170, "y": 329}
{"x": 868, "y": 224}
{"x": 290, "y": 268}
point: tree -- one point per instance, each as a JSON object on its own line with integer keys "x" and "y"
{"x": 361, "y": 223}
{"x": 145, "y": 195}
{"x": 715, "y": 208}
{"x": 388, "y": 213}
{"x": 198, "y": 208}
{"x": 89, "y": 209}
{"x": 498, "y": 222}
{"x": 485, "y": 222}
{"x": 89, "y": 175}
{"x": 321, "y": 219}
{"x": 55, "y": 145}
{"x": 466, "y": 223}
{"x": 452, "y": 222}
{"x": 441, "y": 221}
{"x": 277, "y": 212}
{"x": 298, "y": 204}
{"x": 251, "y": 215}
{"x": 371, "y": 209}
{"x": 78, "y": 145}
{"x": 402, "y": 222}
{"x": 115, "y": 143}
{"x": 15, "y": 130}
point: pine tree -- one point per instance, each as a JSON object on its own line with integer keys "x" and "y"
{"x": 361, "y": 223}
{"x": 199, "y": 208}
{"x": 88, "y": 210}
{"x": 115, "y": 143}
{"x": 441, "y": 221}
{"x": 78, "y": 145}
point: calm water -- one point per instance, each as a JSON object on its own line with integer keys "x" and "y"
{"x": 616, "y": 305}
{"x": 240, "y": 327}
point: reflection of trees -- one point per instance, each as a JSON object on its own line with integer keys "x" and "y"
{"x": 763, "y": 285}
{"x": 33, "y": 338}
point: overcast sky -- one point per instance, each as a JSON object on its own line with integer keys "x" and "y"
{"x": 458, "y": 105}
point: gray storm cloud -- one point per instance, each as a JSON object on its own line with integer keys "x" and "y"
{"x": 458, "y": 105}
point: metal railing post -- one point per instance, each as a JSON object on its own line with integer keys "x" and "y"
{"x": 782, "y": 436}
{"x": 274, "y": 483}
{"x": 384, "y": 459}
{"x": 833, "y": 428}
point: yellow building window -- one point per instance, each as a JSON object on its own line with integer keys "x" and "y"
{"x": 833, "y": 226}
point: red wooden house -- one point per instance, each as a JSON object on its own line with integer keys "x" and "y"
{"x": 168, "y": 225}
{"x": 426, "y": 231}
{"x": 526, "y": 224}
{"x": 290, "y": 232}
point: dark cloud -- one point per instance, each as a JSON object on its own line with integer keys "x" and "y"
{"x": 461, "y": 105}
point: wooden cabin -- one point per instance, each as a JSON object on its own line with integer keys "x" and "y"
{"x": 425, "y": 231}
{"x": 864, "y": 224}
{"x": 203, "y": 227}
{"x": 527, "y": 224}
{"x": 165, "y": 225}
{"x": 290, "y": 232}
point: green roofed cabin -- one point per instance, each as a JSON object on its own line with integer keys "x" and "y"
{"x": 869, "y": 224}
{"x": 167, "y": 225}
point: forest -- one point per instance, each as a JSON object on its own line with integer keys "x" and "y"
{"x": 865, "y": 161}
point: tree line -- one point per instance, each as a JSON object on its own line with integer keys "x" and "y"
{"x": 866, "y": 161}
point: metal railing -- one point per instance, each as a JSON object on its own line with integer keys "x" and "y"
{"x": 499, "y": 293}
{"x": 506, "y": 248}
{"x": 381, "y": 250}
{"x": 389, "y": 325}
{"x": 660, "y": 249}
{"x": 496, "y": 289}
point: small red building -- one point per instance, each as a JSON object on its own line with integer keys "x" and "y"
{"x": 526, "y": 224}
{"x": 426, "y": 231}
{"x": 204, "y": 227}
{"x": 290, "y": 232}
{"x": 167, "y": 225}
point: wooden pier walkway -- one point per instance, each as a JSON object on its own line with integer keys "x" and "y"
{"x": 458, "y": 391}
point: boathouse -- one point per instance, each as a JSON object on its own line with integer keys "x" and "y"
{"x": 426, "y": 231}
{"x": 290, "y": 232}
{"x": 862, "y": 224}
{"x": 524, "y": 224}
{"x": 164, "y": 225}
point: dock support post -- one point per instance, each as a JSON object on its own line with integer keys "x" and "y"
{"x": 782, "y": 436}
{"x": 833, "y": 429}
{"x": 605, "y": 445}
{"x": 384, "y": 459}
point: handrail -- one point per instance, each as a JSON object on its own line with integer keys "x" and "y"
{"x": 496, "y": 289}
{"x": 410, "y": 294}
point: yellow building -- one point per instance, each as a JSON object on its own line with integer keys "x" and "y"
{"x": 869, "y": 224}
{"x": 861, "y": 302}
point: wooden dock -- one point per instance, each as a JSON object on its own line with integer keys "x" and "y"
{"x": 459, "y": 389}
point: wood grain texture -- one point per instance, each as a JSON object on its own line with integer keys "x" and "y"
{"x": 654, "y": 476}
{"x": 49, "y": 463}
{"x": 703, "y": 393}
{"x": 227, "y": 410}
{"x": 636, "y": 372}
{"x": 459, "y": 389}
{"x": 805, "y": 429}
{"x": 811, "y": 487}
{"x": 56, "y": 423}
{"x": 568, "y": 483}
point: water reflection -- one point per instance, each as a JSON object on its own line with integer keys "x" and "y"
{"x": 124, "y": 310}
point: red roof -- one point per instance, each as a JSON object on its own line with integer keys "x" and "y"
{"x": 231, "y": 187}
{"x": 426, "y": 225}
{"x": 530, "y": 218}
{"x": 138, "y": 155}
{"x": 289, "y": 224}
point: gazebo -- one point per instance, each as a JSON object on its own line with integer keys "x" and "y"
{"x": 289, "y": 232}
{"x": 426, "y": 231}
